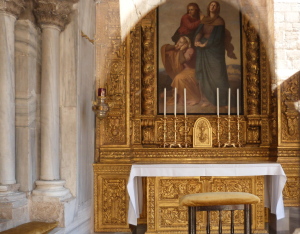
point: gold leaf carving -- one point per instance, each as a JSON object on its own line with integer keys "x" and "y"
{"x": 174, "y": 217}
{"x": 151, "y": 207}
{"x": 291, "y": 190}
{"x": 290, "y": 90}
{"x": 148, "y": 80}
{"x": 164, "y": 194}
{"x": 114, "y": 200}
{"x": 175, "y": 188}
{"x": 252, "y": 66}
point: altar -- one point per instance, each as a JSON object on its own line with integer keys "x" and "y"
{"x": 273, "y": 176}
{"x": 148, "y": 154}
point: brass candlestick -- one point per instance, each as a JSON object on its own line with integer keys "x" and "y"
{"x": 165, "y": 144}
{"x": 218, "y": 132}
{"x": 229, "y": 143}
{"x": 239, "y": 144}
{"x": 175, "y": 144}
{"x": 186, "y": 144}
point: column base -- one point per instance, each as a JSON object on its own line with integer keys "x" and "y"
{"x": 51, "y": 188}
{"x": 13, "y": 207}
{"x": 51, "y": 201}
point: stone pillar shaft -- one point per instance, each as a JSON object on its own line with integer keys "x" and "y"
{"x": 27, "y": 68}
{"x": 50, "y": 103}
{"x": 7, "y": 99}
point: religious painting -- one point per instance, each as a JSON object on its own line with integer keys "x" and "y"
{"x": 199, "y": 64}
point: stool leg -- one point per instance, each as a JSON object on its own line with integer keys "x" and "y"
{"x": 192, "y": 220}
{"x": 247, "y": 219}
{"x": 208, "y": 223}
{"x": 232, "y": 223}
{"x": 220, "y": 221}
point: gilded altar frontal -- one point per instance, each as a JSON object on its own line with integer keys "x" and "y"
{"x": 262, "y": 124}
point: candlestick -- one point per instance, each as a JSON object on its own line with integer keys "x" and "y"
{"x": 218, "y": 104}
{"x": 165, "y": 101}
{"x": 218, "y": 132}
{"x": 175, "y": 101}
{"x": 184, "y": 95}
{"x": 238, "y": 102}
{"x": 175, "y": 144}
{"x": 186, "y": 143}
{"x": 229, "y": 101}
{"x": 239, "y": 144}
{"x": 229, "y": 143}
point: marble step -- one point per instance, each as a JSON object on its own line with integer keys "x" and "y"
{"x": 5, "y": 224}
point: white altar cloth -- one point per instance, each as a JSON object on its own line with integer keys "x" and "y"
{"x": 275, "y": 179}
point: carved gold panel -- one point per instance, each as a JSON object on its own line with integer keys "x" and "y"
{"x": 111, "y": 198}
{"x": 289, "y": 116}
{"x": 164, "y": 215}
{"x": 291, "y": 165}
{"x": 202, "y": 133}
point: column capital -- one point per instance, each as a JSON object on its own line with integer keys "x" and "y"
{"x": 13, "y": 7}
{"x": 54, "y": 12}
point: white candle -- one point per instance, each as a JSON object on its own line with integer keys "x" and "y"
{"x": 165, "y": 101}
{"x": 229, "y": 101}
{"x": 238, "y": 102}
{"x": 175, "y": 101}
{"x": 218, "y": 105}
{"x": 184, "y": 96}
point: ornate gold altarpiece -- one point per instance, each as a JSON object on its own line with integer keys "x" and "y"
{"x": 132, "y": 131}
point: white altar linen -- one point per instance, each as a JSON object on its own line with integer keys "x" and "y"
{"x": 275, "y": 180}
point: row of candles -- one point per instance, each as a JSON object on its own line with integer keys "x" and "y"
{"x": 184, "y": 98}
{"x": 229, "y": 143}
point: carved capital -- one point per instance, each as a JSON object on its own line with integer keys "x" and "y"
{"x": 27, "y": 13}
{"x": 54, "y": 12}
{"x": 12, "y": 6}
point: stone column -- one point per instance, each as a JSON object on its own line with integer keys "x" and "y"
{"x": 27, "y": 66}
{"x": 9, "y": 11}
{"x": 13, "y": 204}
{"x": 51, "y": 201}
{"x": 52, "y": 16}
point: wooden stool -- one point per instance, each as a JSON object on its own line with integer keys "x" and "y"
{"x": 219, "y": 201}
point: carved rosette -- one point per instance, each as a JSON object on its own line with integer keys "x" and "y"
{"x": 13, "y": 7}
{"x": 54, "y": 12}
